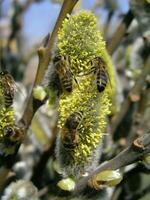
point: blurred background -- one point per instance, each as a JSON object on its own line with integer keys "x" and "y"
{"x": 33, "y": 19}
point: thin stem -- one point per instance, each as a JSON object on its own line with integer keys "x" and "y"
{"x": 133, "y": 96}
{"x": 107, "y": 24}
{"x": 67, "y": 8}
{"x": 120, "y": 32}
{"x": 44, "y": 59}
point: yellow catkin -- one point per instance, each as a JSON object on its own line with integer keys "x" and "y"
{"x": 82, "y": 42}
{"x": 6, "y": 119}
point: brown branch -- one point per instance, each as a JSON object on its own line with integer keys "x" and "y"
{"x": 131, "y": 154}
{"x": 107, "y": 23}
{"x": 44, "y": 59}
{"x": 4, "y": 173}
{"x": 120, "y": 32}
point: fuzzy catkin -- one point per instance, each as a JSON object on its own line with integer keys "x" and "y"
{"x": 82, "y": 42}
{"x": 6, "y": 119}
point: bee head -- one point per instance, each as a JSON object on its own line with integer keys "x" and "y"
{"x": 73, "y": 120}
{"x": 8, "y": 131}
{"x": 2, "y": 73}
{"x": 14, "y": 133}
{"x": 57, "y": 58}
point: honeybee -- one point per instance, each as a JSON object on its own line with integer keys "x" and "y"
{"x": 70, "y": 131}
{"x": 14, "y": 133}
{"x": 62, "y": 64}
{"x": 7, "y": 84}
{"x": 12, "y": 137}
{"x": 98, "y": 68}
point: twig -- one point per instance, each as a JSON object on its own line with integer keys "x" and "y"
{"x": 107, "y": 24}
{"x": 133, "y": 96}
{"x": 134, "y": 152}
{"x": 44, "y": 53}
{"x": 43, "y": 191}
{"x": 120, "y": 32}
{"x": 140, "y": 168}
{"x": 139, "y": 125}
{"x": 4, "y": 173}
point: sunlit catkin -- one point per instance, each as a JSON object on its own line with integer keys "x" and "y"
{"x": 80, "y": 40}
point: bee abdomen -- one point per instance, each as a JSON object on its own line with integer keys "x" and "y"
{"x": 69, "y": 146}
{"x": 67, "y": 85}
{"x": 102, "y": 80}
{"x": 8, "y": 100}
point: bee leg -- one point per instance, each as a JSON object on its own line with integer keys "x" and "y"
{"x": 77, "y": 83}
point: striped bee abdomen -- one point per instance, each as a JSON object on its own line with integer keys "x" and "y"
{"x": 67, "y": 82}
{"x": 62, "y": 65}
{"x": 102, "y": 79}
{"x": 8, "y": 88}
{"x": 8, "y": 98}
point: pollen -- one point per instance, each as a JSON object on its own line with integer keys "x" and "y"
{"x": 6, "y": 119}
{"x": 80, "y": 39}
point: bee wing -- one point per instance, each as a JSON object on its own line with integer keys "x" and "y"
{"x": 9, "y": 84}
{"x": 13, "y": 87}
{"x": 109, "y": 79}
{"x": 17, "y": 88}
{"x": 93, "y": 69}
{"x": 76, "y": 81}
{"x": 70, "y": 73}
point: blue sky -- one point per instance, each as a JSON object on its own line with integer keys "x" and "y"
{"x": 40, "y": 18}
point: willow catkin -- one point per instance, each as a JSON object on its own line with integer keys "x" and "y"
{"x": 80, "y": 39}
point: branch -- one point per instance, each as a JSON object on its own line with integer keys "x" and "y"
{"x": 107, "y": 23}
{"x": 133, "y": 96}
{"x": 133, "y": 153}
{"x": 44, "y": 53}
{"x": 4, "y": 174}
{"x": 120, "y": 32}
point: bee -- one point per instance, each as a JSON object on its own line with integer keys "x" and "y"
{"x": 7, "y": 84}
{"x": 99, "y": 69}
{"x": 70, "y": 131}
{"x": 14, "y": 133}
{"x": 101, "y": 74}
{"x": 12, "y": 137}
{"x": 62, "y": 64}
